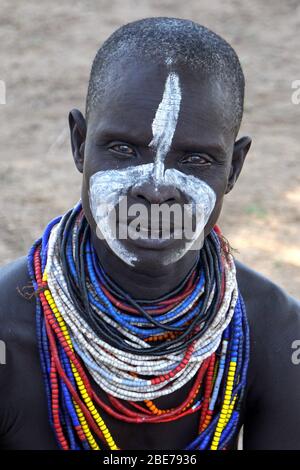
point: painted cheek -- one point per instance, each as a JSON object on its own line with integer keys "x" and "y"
{"x": 196, "y": 190}
{"x": 106, "y": 189}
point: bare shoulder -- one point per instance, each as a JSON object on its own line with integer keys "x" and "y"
{"x": 18, "y": 335}
{"x": 23, "y": 407}
{"x": 273, "y": 387}
{"x": 265, "y": 300}
{"x": 12, "y": 274}
{"x": 273, "y": 315}
{"x": 17, "y": 305}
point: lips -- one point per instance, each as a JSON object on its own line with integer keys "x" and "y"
{"x": 146, "y": 233}
{"x": 148, "y": 225}
{"x": 144, "y": 238}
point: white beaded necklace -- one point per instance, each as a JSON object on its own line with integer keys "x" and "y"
{"x": 112, "y": 368}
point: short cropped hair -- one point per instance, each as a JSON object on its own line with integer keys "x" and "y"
{"x": 180, "y": 40}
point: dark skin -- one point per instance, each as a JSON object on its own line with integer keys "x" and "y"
{"x": 124, "y": 116}
{"x": 271, "y": 412}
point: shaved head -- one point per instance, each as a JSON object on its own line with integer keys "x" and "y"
{"x": 179, "y": 42}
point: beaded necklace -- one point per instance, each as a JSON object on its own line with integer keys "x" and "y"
{"x": 136, "y": 351}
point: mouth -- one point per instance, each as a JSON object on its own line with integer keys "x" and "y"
{"x": 147, "y": 237}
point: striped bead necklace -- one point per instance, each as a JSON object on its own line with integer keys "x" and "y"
{"x": 136, "y": 351}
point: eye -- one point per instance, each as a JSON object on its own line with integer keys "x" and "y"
{"x": 196, "y": 159}
{"x": 123, "y": 149}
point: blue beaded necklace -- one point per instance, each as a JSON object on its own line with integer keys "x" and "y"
{"x": 219, "y": 422}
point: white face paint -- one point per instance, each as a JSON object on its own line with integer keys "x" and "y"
{"x": 107, "y": 188}
{"x": 164, "y": 124}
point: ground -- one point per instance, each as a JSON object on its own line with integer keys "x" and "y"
{"x": 46, "y": 53}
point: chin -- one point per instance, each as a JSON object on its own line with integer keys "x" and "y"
{"x": 154, "y": 254}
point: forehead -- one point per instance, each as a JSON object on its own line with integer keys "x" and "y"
{"x": 134, "y": 91}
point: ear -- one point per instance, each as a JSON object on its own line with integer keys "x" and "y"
{"x": 77, "y": 126}
{"x": 240, "y": 151}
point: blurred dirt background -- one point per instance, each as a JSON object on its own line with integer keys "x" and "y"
{"x": 46, "y": 51}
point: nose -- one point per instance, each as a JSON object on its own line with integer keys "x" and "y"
{"x": 156, "y": 194}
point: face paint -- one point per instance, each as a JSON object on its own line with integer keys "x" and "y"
{"x": 107, "y": 188}
{"x": 164, "y": 123}
{"x": 202, "y": 199}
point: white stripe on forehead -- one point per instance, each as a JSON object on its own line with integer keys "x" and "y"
{"x": 165, "y": 121}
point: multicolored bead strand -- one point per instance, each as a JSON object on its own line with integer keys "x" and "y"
{"x": 136, "y": 351}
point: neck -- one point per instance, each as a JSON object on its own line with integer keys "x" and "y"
{"x": 143, "y": 282}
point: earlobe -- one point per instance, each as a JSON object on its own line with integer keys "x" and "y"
{"x": 240, "y": 150}
{"x": 77, "y": 126}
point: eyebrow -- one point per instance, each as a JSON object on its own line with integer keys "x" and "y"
{"x": 196, "y": 146}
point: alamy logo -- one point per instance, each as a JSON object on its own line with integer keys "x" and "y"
{"x": 2, "y": 352}
{"x": 2, "y": 92}
{"x": 296, "y": 94}
{"x": 159, "y": 221}
{"x": 296, "y": 354}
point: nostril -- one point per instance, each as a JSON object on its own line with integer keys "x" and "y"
{"x": 140, "y": 196}
{"x": 158, "y": 200}
{"x": 172, "y": 199}
{"x": 149, "y": 193}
